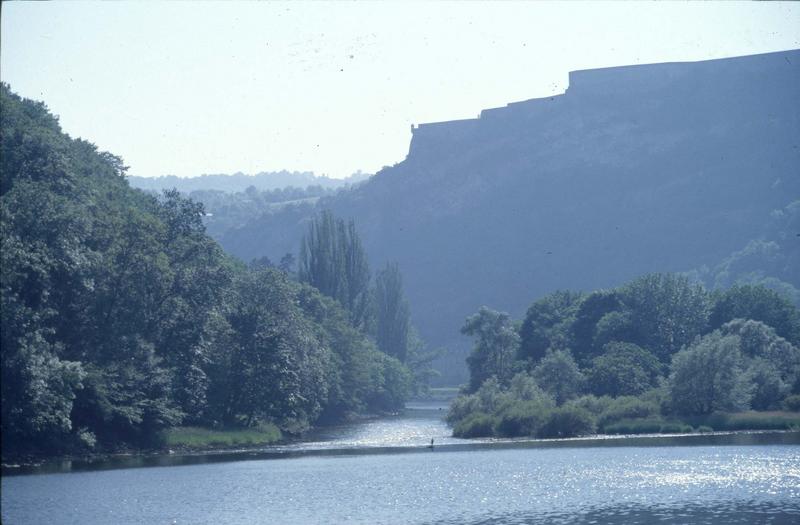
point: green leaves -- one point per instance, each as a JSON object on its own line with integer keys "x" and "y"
{"x": 333, "y": 261}
{"x": 392, "y": 313}
{"x": 120, "y": 317}
{"x": 709, "y": 376}
{"x": 496, "y": 344}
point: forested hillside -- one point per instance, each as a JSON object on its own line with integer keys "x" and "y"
{"x": 652, "y": 168}
{"x": 122, "y": 318}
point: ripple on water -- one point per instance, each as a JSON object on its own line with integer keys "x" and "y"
{"x": 596, "y": 482}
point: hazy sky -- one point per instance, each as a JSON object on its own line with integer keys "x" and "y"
{"x": 190, "y": 88}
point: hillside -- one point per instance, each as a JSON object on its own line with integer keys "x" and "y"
{"x": 636, "y": 169}
{"x": 122, "y": 319}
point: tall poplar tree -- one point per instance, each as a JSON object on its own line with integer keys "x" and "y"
{"x": 333, "y": 260}
{"x": 392, "y": 313}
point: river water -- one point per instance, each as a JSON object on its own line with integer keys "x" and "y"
{"x": 381, "y": 471}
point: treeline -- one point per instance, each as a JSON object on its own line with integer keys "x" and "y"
{"x": 122, "y": 318}
{"x": 659, "y": 354}
{"x": 226, "y": 211}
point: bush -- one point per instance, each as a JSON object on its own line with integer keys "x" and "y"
{"x": 567, "y": 421}
{"x": 478, "y": 424}
{"x": 626, "y": 408}
{"x": 523, "y": 418}
{"x": 634, "y": 426}
{"x": 792, "y": 403}
{"x": 461, "y": 408}
{"x": 675, "y": 427}
{"x": 751, "y": 421}
{"x": 593, "y": 404}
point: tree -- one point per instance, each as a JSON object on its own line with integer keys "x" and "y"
{"x": 758, "y": 303}
{"x": 38, "y": 390}
{"x": 121, "y": 317}
{"x": 333, "y": 260}
{"x": 496, "y": 344}
{"x": 772, "y": 362}
{"x": 547, "y": 324}
{"x": 278, "y": 367}
{"x": 667, "y": 312}
{"x": 624, "y": 369}
{"x": 358, "y": 371}
{"x": 613, "y": 326}
{"x": 287, "y": 263}
{"x": 391, "y": 313}
{"x": 769, "y": 387}
{"x": 559, "y": 376}
{"x": 708, "y": 376}
{"x": 591, "y": 310}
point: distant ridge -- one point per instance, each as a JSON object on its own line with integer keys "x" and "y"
{"x": 238, "y": 182}
{"x": 634, "y": 169}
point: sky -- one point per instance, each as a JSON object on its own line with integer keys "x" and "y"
{"x": 187, "y": 88}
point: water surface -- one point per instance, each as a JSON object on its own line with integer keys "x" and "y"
{"x": 380, "y": 472}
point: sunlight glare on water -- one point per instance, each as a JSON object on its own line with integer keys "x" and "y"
{"x": 378, "y": 472}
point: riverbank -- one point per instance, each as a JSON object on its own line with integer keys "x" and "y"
{"x": 199, "y": 438}
{"x": 192, "y": 440}
{"x": 176, "y": 440}
{"x": 559, "y": 481}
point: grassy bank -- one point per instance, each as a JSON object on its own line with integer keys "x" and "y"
{"x": 205, "y": 438}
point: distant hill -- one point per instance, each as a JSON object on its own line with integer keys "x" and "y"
{"x": 636, "y": 169}
{"x": 239, "y": 182}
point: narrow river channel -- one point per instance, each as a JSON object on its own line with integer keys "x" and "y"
{"x": 381, "y": 471}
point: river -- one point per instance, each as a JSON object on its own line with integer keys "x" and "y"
{"x": 381, "y": 471}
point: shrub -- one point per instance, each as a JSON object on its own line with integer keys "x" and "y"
{"x": 592, "y": 404}
{"x": 461, "y": 408}
{"x": 752, "y": 421}
{"x": 626, "y": 407}
{"x": 478, "y": 424}
{"x": 675, "y": 427}
{"x": 523, "y": 418}
{"x": 567, "y": 421}
{"x": 634, "y": 426}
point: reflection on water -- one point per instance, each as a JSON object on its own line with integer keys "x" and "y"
{"x": 410, "y": 432}
{"x": 721, "y": 512}
{"x": 380, "y": 472}
{"x": 420, "y": 423}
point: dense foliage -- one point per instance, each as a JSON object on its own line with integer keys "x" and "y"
{"x": 645, "y": 357}
{"x": 333, "y": 260}
{"x": 122, "y": 318}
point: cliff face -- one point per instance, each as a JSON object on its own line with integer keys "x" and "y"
{"x": 636, "y": 169}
